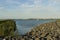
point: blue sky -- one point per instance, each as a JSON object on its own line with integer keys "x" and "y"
{"x": 23, "y": 9}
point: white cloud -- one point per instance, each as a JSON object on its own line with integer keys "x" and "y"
{"x": 1, "y": 8}
{"x": 12, "y": 2}
{"x": 35, "y": 10}
{"x": 57, "y": 0}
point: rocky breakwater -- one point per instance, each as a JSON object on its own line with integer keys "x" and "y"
{"x": 47, "y": 31}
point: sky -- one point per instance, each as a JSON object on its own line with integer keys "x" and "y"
{"x": 23, "y": 9}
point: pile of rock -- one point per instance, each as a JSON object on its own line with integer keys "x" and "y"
{"x": 47, "y": 31}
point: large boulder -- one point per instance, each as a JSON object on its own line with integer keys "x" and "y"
{"x": 7, "y": 28}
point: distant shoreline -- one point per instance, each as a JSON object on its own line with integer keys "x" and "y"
{"x": 33, "y": 19}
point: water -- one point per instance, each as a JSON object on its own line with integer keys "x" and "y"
{"x": 24, "y": 26}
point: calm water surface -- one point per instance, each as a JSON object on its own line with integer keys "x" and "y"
{"x": 24, "y": 26}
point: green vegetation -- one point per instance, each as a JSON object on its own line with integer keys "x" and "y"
{"x": 7, "y": 28}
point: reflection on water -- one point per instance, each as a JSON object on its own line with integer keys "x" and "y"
{"x": 24, "y": 26}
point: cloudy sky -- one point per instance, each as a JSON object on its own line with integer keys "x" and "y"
{"x": 18, "y": 9}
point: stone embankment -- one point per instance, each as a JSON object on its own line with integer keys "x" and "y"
{"x": 47, "y": 31}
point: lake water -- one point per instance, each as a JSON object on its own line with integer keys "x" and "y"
{"x": 24, "y": 26}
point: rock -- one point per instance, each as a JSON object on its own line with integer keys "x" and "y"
{"x": 48, "y": 31}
